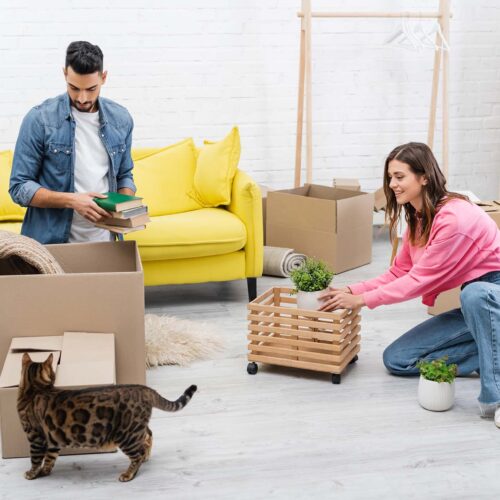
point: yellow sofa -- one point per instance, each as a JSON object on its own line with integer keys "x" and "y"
{"x": 187, "y": 240}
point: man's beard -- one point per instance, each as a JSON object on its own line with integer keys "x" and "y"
{"x": 85, "y": 107}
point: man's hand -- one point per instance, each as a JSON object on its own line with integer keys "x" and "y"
{"x": 340, "y": 298}
{"x": 84, "y": 204}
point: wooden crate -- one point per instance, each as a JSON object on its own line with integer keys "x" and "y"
{"x": 281, "y": 334}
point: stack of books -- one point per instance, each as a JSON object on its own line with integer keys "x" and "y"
{"x": 128, "y": 213}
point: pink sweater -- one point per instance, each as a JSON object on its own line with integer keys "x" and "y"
{"x": 464, "y": 244}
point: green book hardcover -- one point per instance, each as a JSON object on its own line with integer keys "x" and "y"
{"x": 116, "y": 202}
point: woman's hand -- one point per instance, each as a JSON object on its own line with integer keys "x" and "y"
{"x": 340, "y": 298}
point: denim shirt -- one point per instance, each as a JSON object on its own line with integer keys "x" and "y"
{"x": 45, "y": 157}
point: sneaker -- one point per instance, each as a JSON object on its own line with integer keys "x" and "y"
{"x": 489, "y": 410}
{"x": 497, "y": 417}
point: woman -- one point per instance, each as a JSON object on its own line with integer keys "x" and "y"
{"x": 449, "y": 242}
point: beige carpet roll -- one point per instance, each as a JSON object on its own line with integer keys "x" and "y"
{"x": 281, "y": 261}
{"x": 23, "y": 255}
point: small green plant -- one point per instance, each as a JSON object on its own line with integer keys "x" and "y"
{"x": 437, "y": 370}
{"x": 312, "y": 276}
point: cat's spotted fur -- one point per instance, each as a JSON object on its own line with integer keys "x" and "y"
{"x": 101, "y": 417}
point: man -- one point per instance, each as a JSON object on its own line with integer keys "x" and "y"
{"x": 71, "y": 149}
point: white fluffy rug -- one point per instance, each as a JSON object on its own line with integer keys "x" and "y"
{"x": 174, "y": 341}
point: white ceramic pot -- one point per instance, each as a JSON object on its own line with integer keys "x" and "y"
{"x": 436, "y": 396}
{"x": 309, "y": 300}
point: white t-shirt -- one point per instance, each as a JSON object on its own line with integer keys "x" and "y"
{"x": 91, "y": 173}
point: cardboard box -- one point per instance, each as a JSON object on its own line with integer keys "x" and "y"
{"x": 446, "y": 301}
{"x": 263, "y": 191}
{"x": 102, "y": 291}
{"x": 351, "y": 184}
{"x": 331, "y": 224}
{"x": 80, "y": 360}
{"x": 492, "y": 208}
{"x": 380, "y": 200}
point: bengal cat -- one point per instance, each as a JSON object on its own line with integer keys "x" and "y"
{"x": 100, "y": 417}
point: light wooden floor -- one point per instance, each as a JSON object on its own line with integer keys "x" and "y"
{"x": 285, "y": 433}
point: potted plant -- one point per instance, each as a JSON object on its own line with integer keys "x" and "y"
{"x": 436, "y": 387}
{"x": 311, "y": 279}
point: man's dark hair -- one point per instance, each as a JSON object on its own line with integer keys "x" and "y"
{"x": 84, "y": 58}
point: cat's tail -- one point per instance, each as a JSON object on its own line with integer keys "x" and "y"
{"x": 161, "y": 403}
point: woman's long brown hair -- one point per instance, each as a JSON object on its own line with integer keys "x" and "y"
{"x": 419, "y": 158}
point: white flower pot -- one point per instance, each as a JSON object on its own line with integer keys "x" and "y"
{"x": 309, "y": 300}
{"x": 436, "y": 396}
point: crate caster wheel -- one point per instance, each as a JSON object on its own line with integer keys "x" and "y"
{"x": 336, "y": 378}
{"x": 353, "y": 360}
{"x": 252, "y": 368}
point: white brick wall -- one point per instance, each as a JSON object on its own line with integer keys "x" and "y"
{"x": 195, "y": 68}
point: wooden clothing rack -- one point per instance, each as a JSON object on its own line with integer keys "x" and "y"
{"x": 305, "y": 81}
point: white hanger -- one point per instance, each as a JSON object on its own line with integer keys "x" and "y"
{"x": 415, "y": 42}
{"x": 417, "y": 38}
{"x": 429, "y": 42}
{"x": 444, "y": 43}
{"x": 423, "y": 36}
{"x": 398, "y": 33}
{"x": 401, "y": 37}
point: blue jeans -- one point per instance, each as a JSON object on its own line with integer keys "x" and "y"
{"x": 469, "y": 336}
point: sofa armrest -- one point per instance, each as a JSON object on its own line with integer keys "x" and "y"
{"x": 246, "y": 203}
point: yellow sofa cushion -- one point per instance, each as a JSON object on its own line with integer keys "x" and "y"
{"x": 140, "y": 153}
{"x": 165, "y": 178}
{"x": 8, "y": 209}
{"x": 13, "y": 227}
{"x": 208, "y": 231}
{"x": 215, "y": 170}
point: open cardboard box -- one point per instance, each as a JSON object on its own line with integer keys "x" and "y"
{"x": 102, "y": 291}
{"x": 446, "y": 301}
{"x": 80, "y": 360}
{"x": 331, "y": 224}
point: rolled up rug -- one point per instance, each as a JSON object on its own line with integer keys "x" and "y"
{"x": 23, "y": 255}
{"x": 281, "y": 261}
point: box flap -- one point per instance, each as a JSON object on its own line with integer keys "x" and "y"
{"x": 488, "y": 206}
{"x": 96, "y": 257}
{"x": 85, "y": 374}
{"x": 11, "y": 372}
{"x": 87, "y": 359}
{"x": 331, "y": 193}
{"x": 32, "y": 344}
{"x": 351, "y": 184}
{"x": 301, "y": 191}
